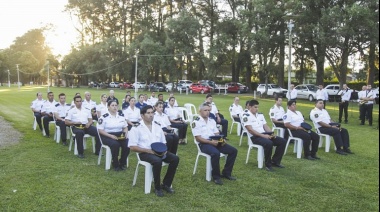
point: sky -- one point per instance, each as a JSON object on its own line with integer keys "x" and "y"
{"x": 19, "y": 16}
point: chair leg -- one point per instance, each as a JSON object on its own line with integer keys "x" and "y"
{"x": 327, "y": 143}
{"x": 260, "y": 157}
{"x": 57, "y": 134}
{"x": 93, "y": 144}
{"x": 196, "y": 164}
{"x": 100, "y": 156}
{"x": 71, "y": 142}
{"x": 136, "y": 174}
{"x": 208, "y": 168}
{"x": 287, "y": 144}
{"x": 34, "y": 124}
{"x": 299, "y": 148}
{"x": 241, "y": 138}
{"x": 108, "y": 158}
{"x": 238, "y": 129}
{"x": 249, "y": 151}
{"x": 148, "y": 178}
{"x": 76, "y": 147}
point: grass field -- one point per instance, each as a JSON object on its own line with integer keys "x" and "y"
{"x": 39, "y": 175}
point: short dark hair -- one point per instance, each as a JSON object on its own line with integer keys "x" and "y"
{"x": 159, "y": 103}
{"x": 171, "y": 98}
{"x": 49, "y": 93}
{"x": 127, "y": 96}
{"x": 110, "y": 102}
{"x": 290, "y": 102}
{"x": 145, "y": 109}
{"x": 318, "y": 100}
{"x": 276, "y": 98}
{"x": 160, "y": 95}
{"x": 208, "y": 95}
{"x": 253, "y": 102}
{"x": 76, "y": 97}
{"x": 61, "y": 94}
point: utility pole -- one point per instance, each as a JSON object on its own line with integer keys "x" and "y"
{"x": 137, "y": 54}
{"x": 48, "y": 72}
{"x": 9, "y": 81}
{"x": 290, "y": 27}
{"x": 18, "y": 77}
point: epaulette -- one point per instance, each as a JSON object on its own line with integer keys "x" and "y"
{"x": 246, "y": 110}
{"x": 86, "y": 108}
{"x": 57, "y": 105}
{"x": 259, "y": 113}
{"x": 121, "y": 113}
{"x": 232, "y": 105}
{"x": 68, "y": 104}
{"x": 157, "y": 123}
{"x": 272, "y": 107}
{"x": 106, "y": 115}
{"x": 245, "y": 114}
{"x": 197, "y": 119}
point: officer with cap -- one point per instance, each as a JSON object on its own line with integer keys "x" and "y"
{"x": 203, "y": 128}
{"x": 47, "y": 112}
{"x": 323, "y": 122}
{"x": 141, "y": 138}
{"x": 60, "y": 112}
{"x": 293, "y": 120}
{"x": 261, "y": 134}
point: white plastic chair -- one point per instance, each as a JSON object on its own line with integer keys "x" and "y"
{"x": 148, "y": 173}
{"x": 50, "y": 122}
{"x": 323, "y": 137}
{"x": 84, "y": 142}
{"x": 260, "y": 149}
{"x": 297, "y": 144}
{"x": 278, "y": 130}
{"x": 108, "y": 153}
{"x": 237, "y": 123}
{"x": 184, "y": 114}
{"x": 191, "y": 111}
{"x": 34, "y": 122}
{"x": 57, "y": 134}
{"x": 208, "y": 161}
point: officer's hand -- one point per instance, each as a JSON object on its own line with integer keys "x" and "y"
{"x": 87, "y": 125}
{"x": 150, "y": 151}
{"x": 214, "y": 142}
{"x": 267, "y": 136}
{"x": 114, "y": 137}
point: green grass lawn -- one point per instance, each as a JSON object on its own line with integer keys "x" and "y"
{"x": 39, "y": 175}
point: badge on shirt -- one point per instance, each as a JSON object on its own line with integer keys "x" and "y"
{"x": 285, "y": 116}
{"x": 100, "y": 121}
{"x": 316, "y": 115}
{"x": 245, "y": 119}
{"x": 193, "y": 125}
{"x": 272, "y": 114}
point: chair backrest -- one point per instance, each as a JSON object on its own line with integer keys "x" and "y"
{"x": 290, "y": 133}
{"x": 316, "y": 128}
{"x": 184, "y": 114}
{"x": 197, "y": 144}
{"x": 190, "y": 108}
{"x": 242, "y": 123}
{"x": 100, "y": 138}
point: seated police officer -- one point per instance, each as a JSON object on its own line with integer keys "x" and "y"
{"x": 203, "y": 129}
{"x": 261, "y": 134}
{"x": 36, "y": 107}
{"x": 294, "y": 121}
{"x": 60, "y": 113}
{"x": 47, "y": 112}
{"x": 141, "y": 138}
{"x": 80, "y": 119}
{"x": 276, "y": 113}
{"x": 113, "y": 130}
{"x": 323, "y": 122}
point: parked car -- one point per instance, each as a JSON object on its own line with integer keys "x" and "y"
{"x": 181, "y": 87}
{"x": 200, "y": 88}
{"x": 169, "y": 87}
{"x": 333, "y": 89}
{"x": 185, "y": 83}
{"x": 208, "y": 82}
{"x": 125, "y": 85}
{"x": 306, "y": 91}
{"x": 273, "y": 90}
{"x": 158, "y": 86}
{"x": 235, "y": 87}
{"x": 139, "y": 85}
{"x": 113, "y": 85}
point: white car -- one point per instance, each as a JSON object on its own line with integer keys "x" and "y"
{"x": 139, "y": 85}
{"x": 169, "y": 87}
{"x": 307, "y": 91}
{"x": 185, "y": 83}
{"x": 113, "y": 85}
{"x": 333, "y": 89}
{"x": 273, "y": 90}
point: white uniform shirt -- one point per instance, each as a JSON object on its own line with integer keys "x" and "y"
{"x": 214, "y": 109}
{"x": 172, "y": 112}
{"x": 175, "y": 102}
{"x": 132, "y": 115}
{"x": 37, "y": 104}
{"x": 322, "y": 94}
{"x": 142, "y": 137}
{"x": 91, "y": 104}
{"x": 293, "y": 94}
{"x": 152, "y": 101}
{"x": 76, "y": 115}
{"x": 102, "y": 108}
{"x": 294, "y": 118}
{"x": 317, "y": 115}
{"x": 62, "y": 109}
{"x": 276, "y": 112}
{"x": 48, "y": 107}
{"x": 346, "y": 95}
{"x": 162, "y": 119}
{"x": 235, "y": 110}
{"x": 257, "y": 122}
{"x": 369, "y": 94}
{"x": 200, "y": 127}
{"x": 112, "y": 124}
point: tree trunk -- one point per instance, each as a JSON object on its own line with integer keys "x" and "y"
{"x": 371, "y": 61}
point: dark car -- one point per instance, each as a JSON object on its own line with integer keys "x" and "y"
{"x": 235, "y": 87}
{"x": 200, "y": 88}
{"x": 158, "y": 86}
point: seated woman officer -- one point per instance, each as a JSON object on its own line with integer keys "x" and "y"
{"x": 132, "y": 113}
{"x": 163, "y": 119}
{"x": 113, "y": 130}
{"x": 175, "y": 119}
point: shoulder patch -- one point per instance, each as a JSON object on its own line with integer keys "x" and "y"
{"x": 121, "y": 113}
{"x": 193, "y": 125}
{"x": 57, "y": 105}
{"x": 245, "y": 119}
{"x": 246, "y": 110}
{"x": 284, "y": 117}
{"x": 100, "y": 121}
{"x": 316, "y": 115}
{"x": 106, "y": 115}
{"x": 197, "y": 119}
{"x": 68, "y": 104}
{"x": 271, "y": 114}
{"x": 157, "y": 123}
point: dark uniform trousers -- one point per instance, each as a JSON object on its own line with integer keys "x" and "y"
{"x": 182, "y": 129}
{"x": 224, "y": 124}
{"x": 45, "y": 120}
{"x": 286, "y": 134}
{"x": 214, "y": 152}
{"x": 366, "y": 111}
{"x": 156, "y": 162}
{"x": 341, "y": 137}
{"x": 343, "y": 107}
{"x": 79, "y": 133}
{"x": 115, "y": 146}
{"x": 307, "y": 138}
{"x": 268, "y": 144}
{"x": 62, "y": 127}
{"x": 38, "y": 119}
{"x": 172, "y": 142}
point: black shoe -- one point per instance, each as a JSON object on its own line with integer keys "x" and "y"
{"x": 345, "y": 122}
{"x": 315, "y": 157}
{"x": 159, "y": 192}
{"x": 47, "y": 136}
{"x": 269, "y": 168}
{"x": 117, "y": 169}
{"x": 229, "y": 177}
{"x": 123, "y": 167}
{"x": 348, "y": 151}
{"x": 361, "y": 123}
{"x": 80, "y": 156}
{"x": 64, "y": 143}
{"x": 278, "y": 165}
{"x": 218, "y": 181}
{"x": 309, "y": 158}
{"x": 341, "y": 152}
{"x": 167, "y": 189}
{"x": 370, "y": 125}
